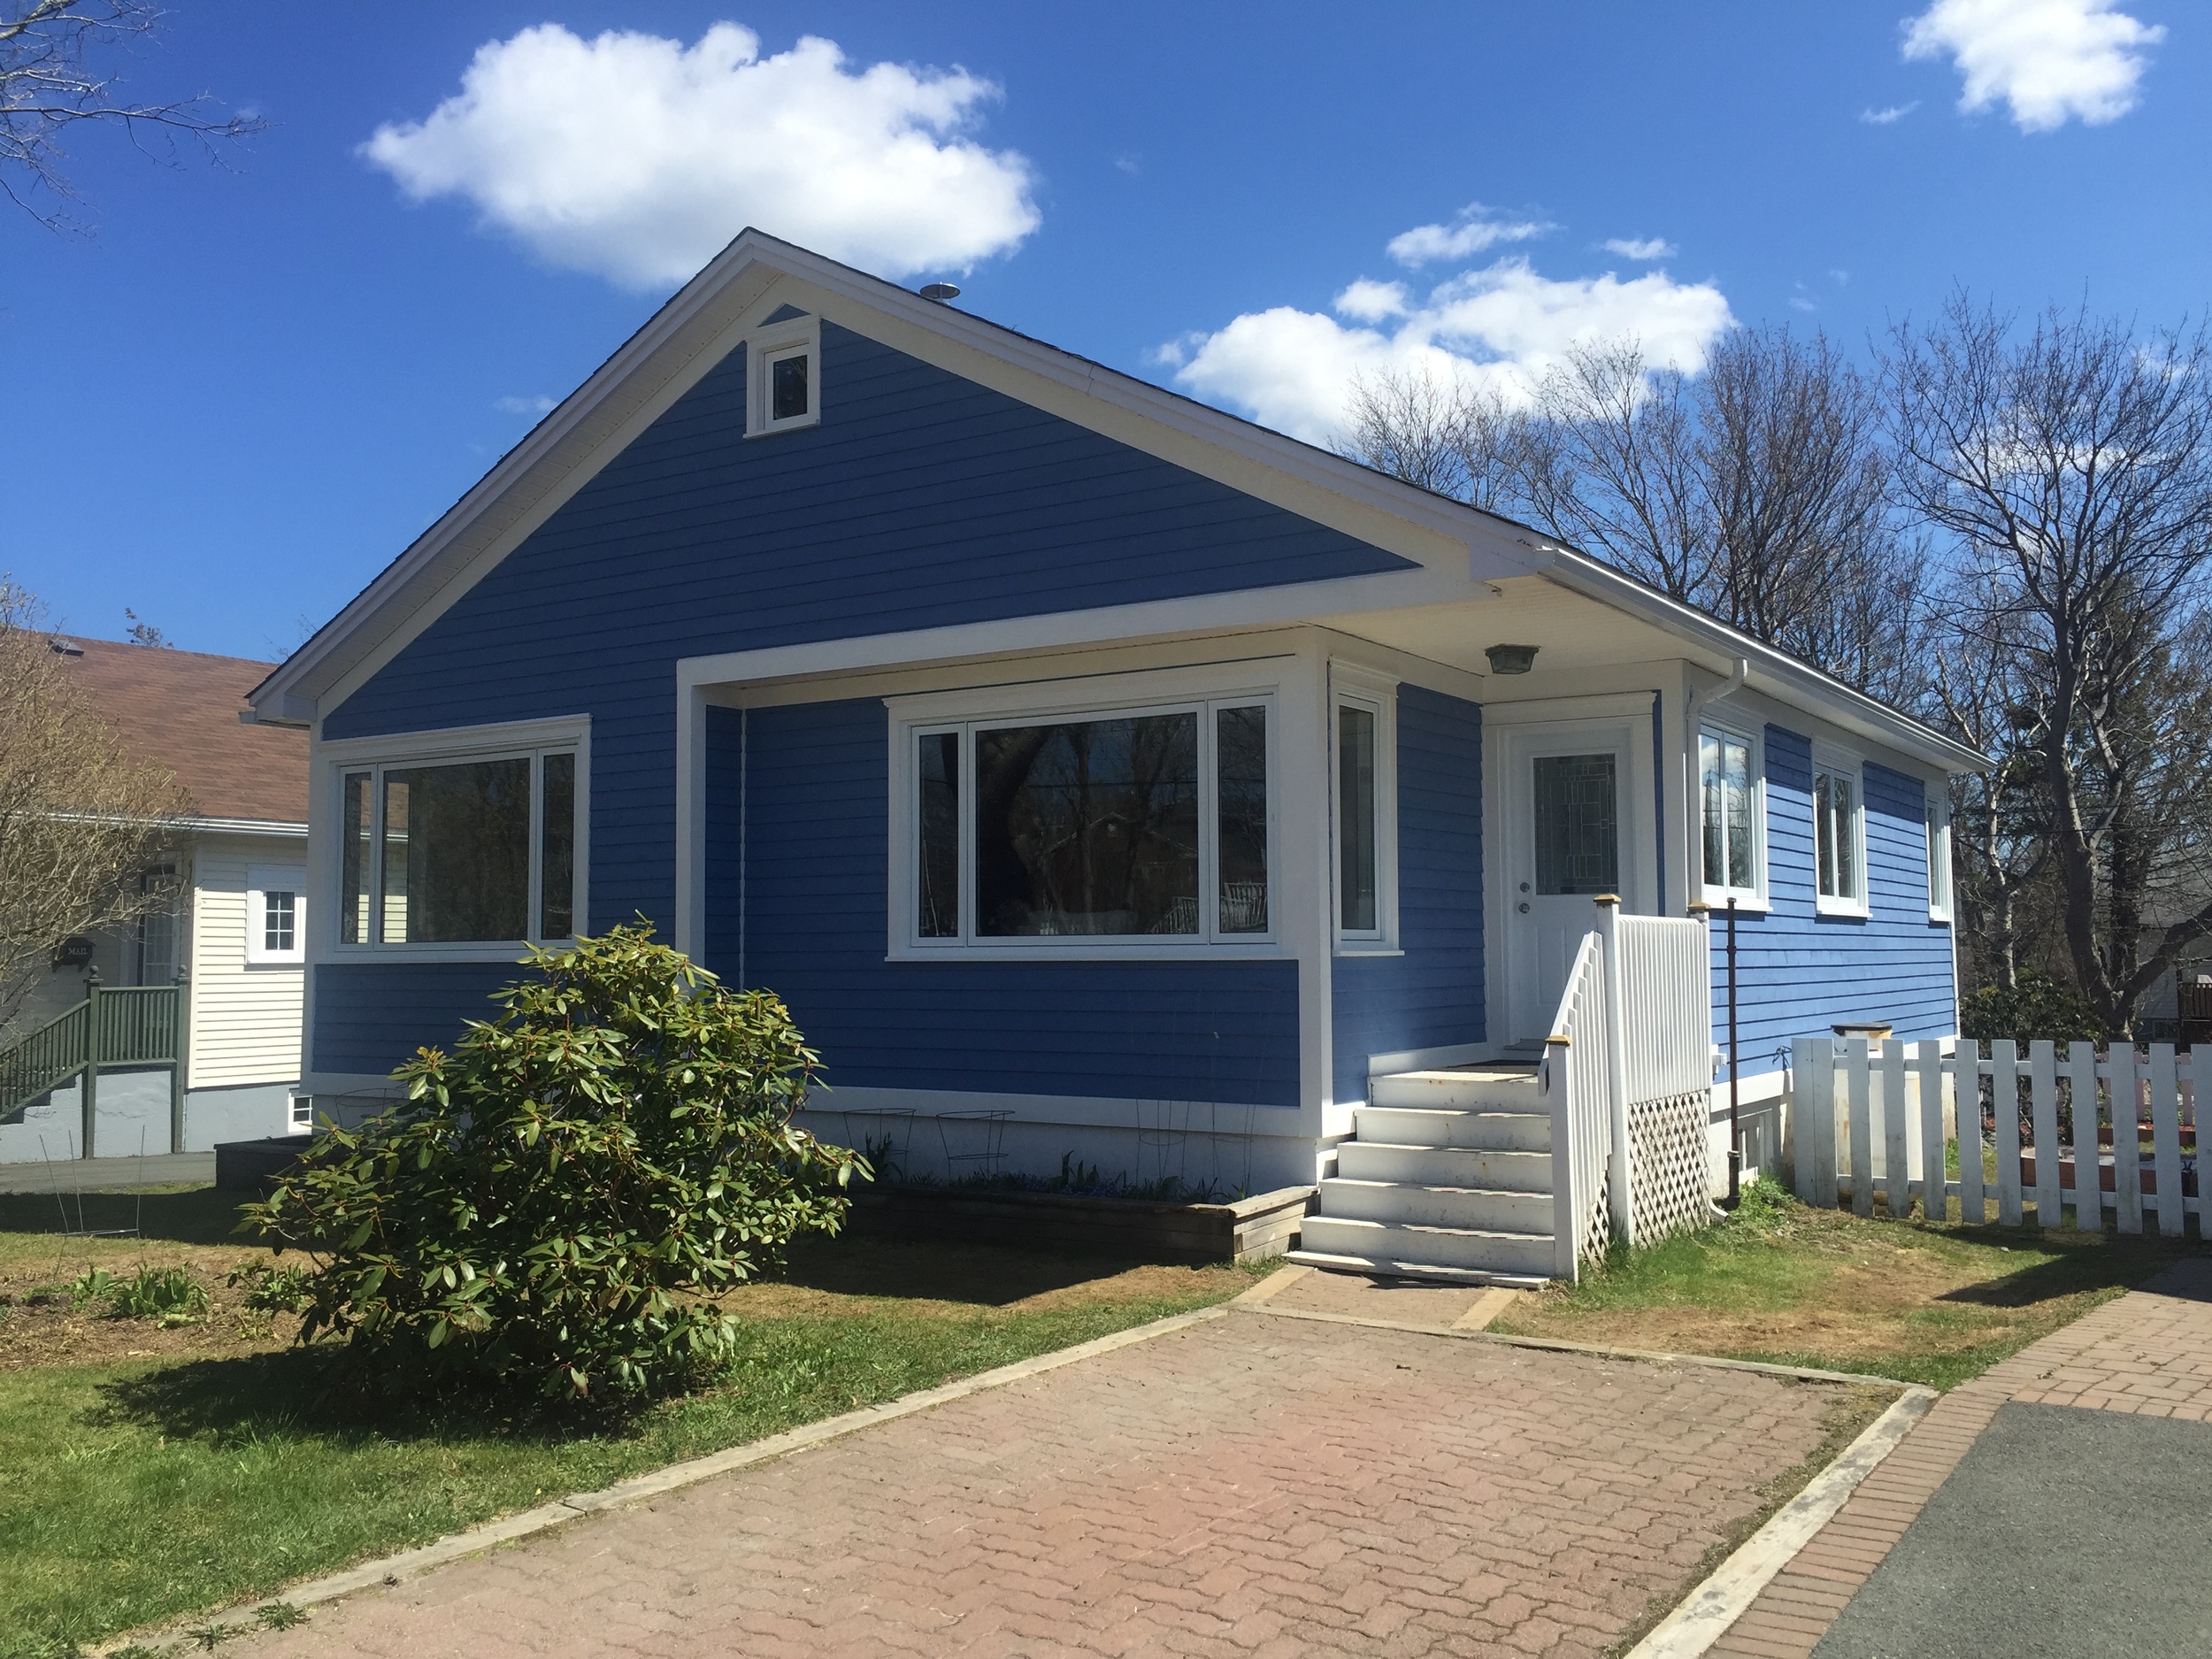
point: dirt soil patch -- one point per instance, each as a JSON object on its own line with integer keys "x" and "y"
{"x": 1933, "y": 1304}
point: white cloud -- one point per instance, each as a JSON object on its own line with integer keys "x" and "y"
{"x": 523, "y": 405}
{"x": 637, "y": 159}
{"x": 1888, "y": 115}
{"x": 1643, "y": 248}
{"x": 1501, "y": 326}
{"x": 1475, "y": 229}
{"x": 1368, "y": 301}
{"x": 2050, "y": 60}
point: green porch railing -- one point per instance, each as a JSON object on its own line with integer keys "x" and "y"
{"x": 114, "y": 1026}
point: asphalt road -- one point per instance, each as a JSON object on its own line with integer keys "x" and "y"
{"x": 2063, "y": 1532}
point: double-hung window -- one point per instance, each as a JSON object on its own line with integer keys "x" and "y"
{"x": 1938, "y": 817}
{"x": 1733, "y": 817}
{"x": 455, "y": 851}
{"x": 276, "y": 914}
{"x": 1838, "y": 835}
{"x": 1124, "y": 829}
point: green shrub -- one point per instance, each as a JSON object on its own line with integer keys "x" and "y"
{"x": 168, "y": 1294}
{"x": 2037, "y": 1007}
{"x": 557, "y": 1204}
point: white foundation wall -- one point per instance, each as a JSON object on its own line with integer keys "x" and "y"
{"x": 245, "y": 1015}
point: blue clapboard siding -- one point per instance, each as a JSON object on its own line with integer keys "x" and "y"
{"x": 371, "y": 1015}
{"x": 1798, "y": 972}
{"x": 1432, "y": 996}
{"x": 921, "y": 500}
{"x": 813, "y": 781}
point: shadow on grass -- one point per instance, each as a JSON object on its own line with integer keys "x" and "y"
{"x": 2104, "y": 1263}
{"x": 933, "y": 1270}
{"x": 197, "y": 1214}
{"x": 305, "y": 1392}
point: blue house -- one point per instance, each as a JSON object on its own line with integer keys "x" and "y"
{"x": 1093, "y": 772}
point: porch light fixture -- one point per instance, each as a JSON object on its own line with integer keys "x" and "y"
{"x": 1511, "y": 659}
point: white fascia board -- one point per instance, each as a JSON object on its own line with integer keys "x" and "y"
{"x": 703, "y": 320}
{"x": 1774, "y": 671}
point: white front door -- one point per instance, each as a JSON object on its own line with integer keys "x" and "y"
{"x": 1574, "y": 829}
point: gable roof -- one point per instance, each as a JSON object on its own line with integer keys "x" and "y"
{"x": 708, "y": 317}
{"x": 180, "y": 709}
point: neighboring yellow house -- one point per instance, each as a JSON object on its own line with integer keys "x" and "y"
{"x": 237, "y": 922}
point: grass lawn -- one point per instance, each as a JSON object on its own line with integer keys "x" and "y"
{"x": 150, "y": 1471}
{"x": 1933, "y": 1304}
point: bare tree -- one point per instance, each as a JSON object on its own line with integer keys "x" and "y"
{"x": 1755, "y": 491}
{"x": 80, "y": 820}
{"x": 2071, "y": 468}
{"x": 49, "y": 86}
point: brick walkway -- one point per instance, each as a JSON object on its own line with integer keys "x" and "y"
{"x": 1251, "y": 1486}
{"x": 2148, "y": 1353}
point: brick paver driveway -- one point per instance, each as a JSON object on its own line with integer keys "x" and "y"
{"x": 1253, "y": 1484}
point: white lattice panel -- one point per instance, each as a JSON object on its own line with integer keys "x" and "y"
{"x": 1667, "y": 1155}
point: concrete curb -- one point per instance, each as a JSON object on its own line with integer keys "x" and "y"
{"x": 1801, "y": 1373}
{"x": 1705, "y": 1617}
{"x": 391, "y": 1569}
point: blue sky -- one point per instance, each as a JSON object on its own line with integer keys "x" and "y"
{"x": 248, "y": 390}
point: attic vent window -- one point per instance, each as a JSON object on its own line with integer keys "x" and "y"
{"x": 784, "y": 377}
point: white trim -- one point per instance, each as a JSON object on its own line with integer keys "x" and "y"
{"x": 246, "y": 827}
{"x": 1838, "y": 763}
{"x": 797, "y": 336}
{"x": 1936, "y": 820}
{"x": 1202, "y": 691}
{"x": 1753, "y": 898}
{"x": 331, "y": 760}
{"x": 261, "y": 881}
{"x": 1356, "y": 686}
{"x": 1618, "y": 705}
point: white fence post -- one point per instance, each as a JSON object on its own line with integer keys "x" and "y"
{"x": 2081, "y": 1069}
{"x": 1896, "y": 1144}
{"x": 2165, "y": 1141}
{"x": 2043, "y": 1102}
{"x": 1966, "y": 1111}
{"x": 2004, "y": 1079}
{"x": 1620, "y": 1175}
{"x": 1567, "y": 1197}
{"x": 1928, "y": 1069}
{"x": 1854, "y": 1058}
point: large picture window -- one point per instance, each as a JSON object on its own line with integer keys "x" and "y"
{"x": 1144, "y": 827}
{"x": 1728, "y": 787}
{"x": 471, "y": 851}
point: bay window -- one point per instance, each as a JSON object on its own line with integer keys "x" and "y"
{"x": 459, "y": 850}
{"x": 1134, "y": 827}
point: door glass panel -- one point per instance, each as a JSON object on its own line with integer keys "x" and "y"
{"x": 1577, "y": 831}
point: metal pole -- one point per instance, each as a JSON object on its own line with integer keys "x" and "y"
{"x": 91, "y": 1058}
{"x": 1735, "y": 1126}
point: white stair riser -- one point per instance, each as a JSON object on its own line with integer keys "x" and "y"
{"x": 1453, "y": 1091}
{"x": 1446, "y": 1167}
{"x": 1525, "y": 1254}
{"x": 1471, "y": 1130}
{"x": 1436, "y": 1206}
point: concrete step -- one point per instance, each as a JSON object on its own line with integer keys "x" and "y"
{"x": 1445, "y": 1166}
{"x": 1395, "y": 1247}
{"x": 1511, "y": 1087}
{"x": 1470, "y": 1208}
{"x": 1492, "y": 1131}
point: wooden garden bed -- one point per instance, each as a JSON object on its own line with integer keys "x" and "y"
{"x": 1246, "y": 1230}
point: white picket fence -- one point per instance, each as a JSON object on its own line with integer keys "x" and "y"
{"x": 1866, "y": 1118}
{"x": 1627, "y": 1075}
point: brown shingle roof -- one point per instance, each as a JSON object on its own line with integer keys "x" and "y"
{"x": 180, "y": 708}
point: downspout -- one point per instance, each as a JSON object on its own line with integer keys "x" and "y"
{"x": 1694, "y": 705}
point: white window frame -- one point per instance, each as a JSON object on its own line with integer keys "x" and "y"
{"x": 1170, "y": 692}
{"x": 1938, "y": 823}
{"x": 1352, "y": 687}
{"x": 1717, "y": 894}
{"x": 797, "y": 336}
{"x": 261, "y": 881}
{"x": 508, "y": 741}
{"x": 1852, "y": 768}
